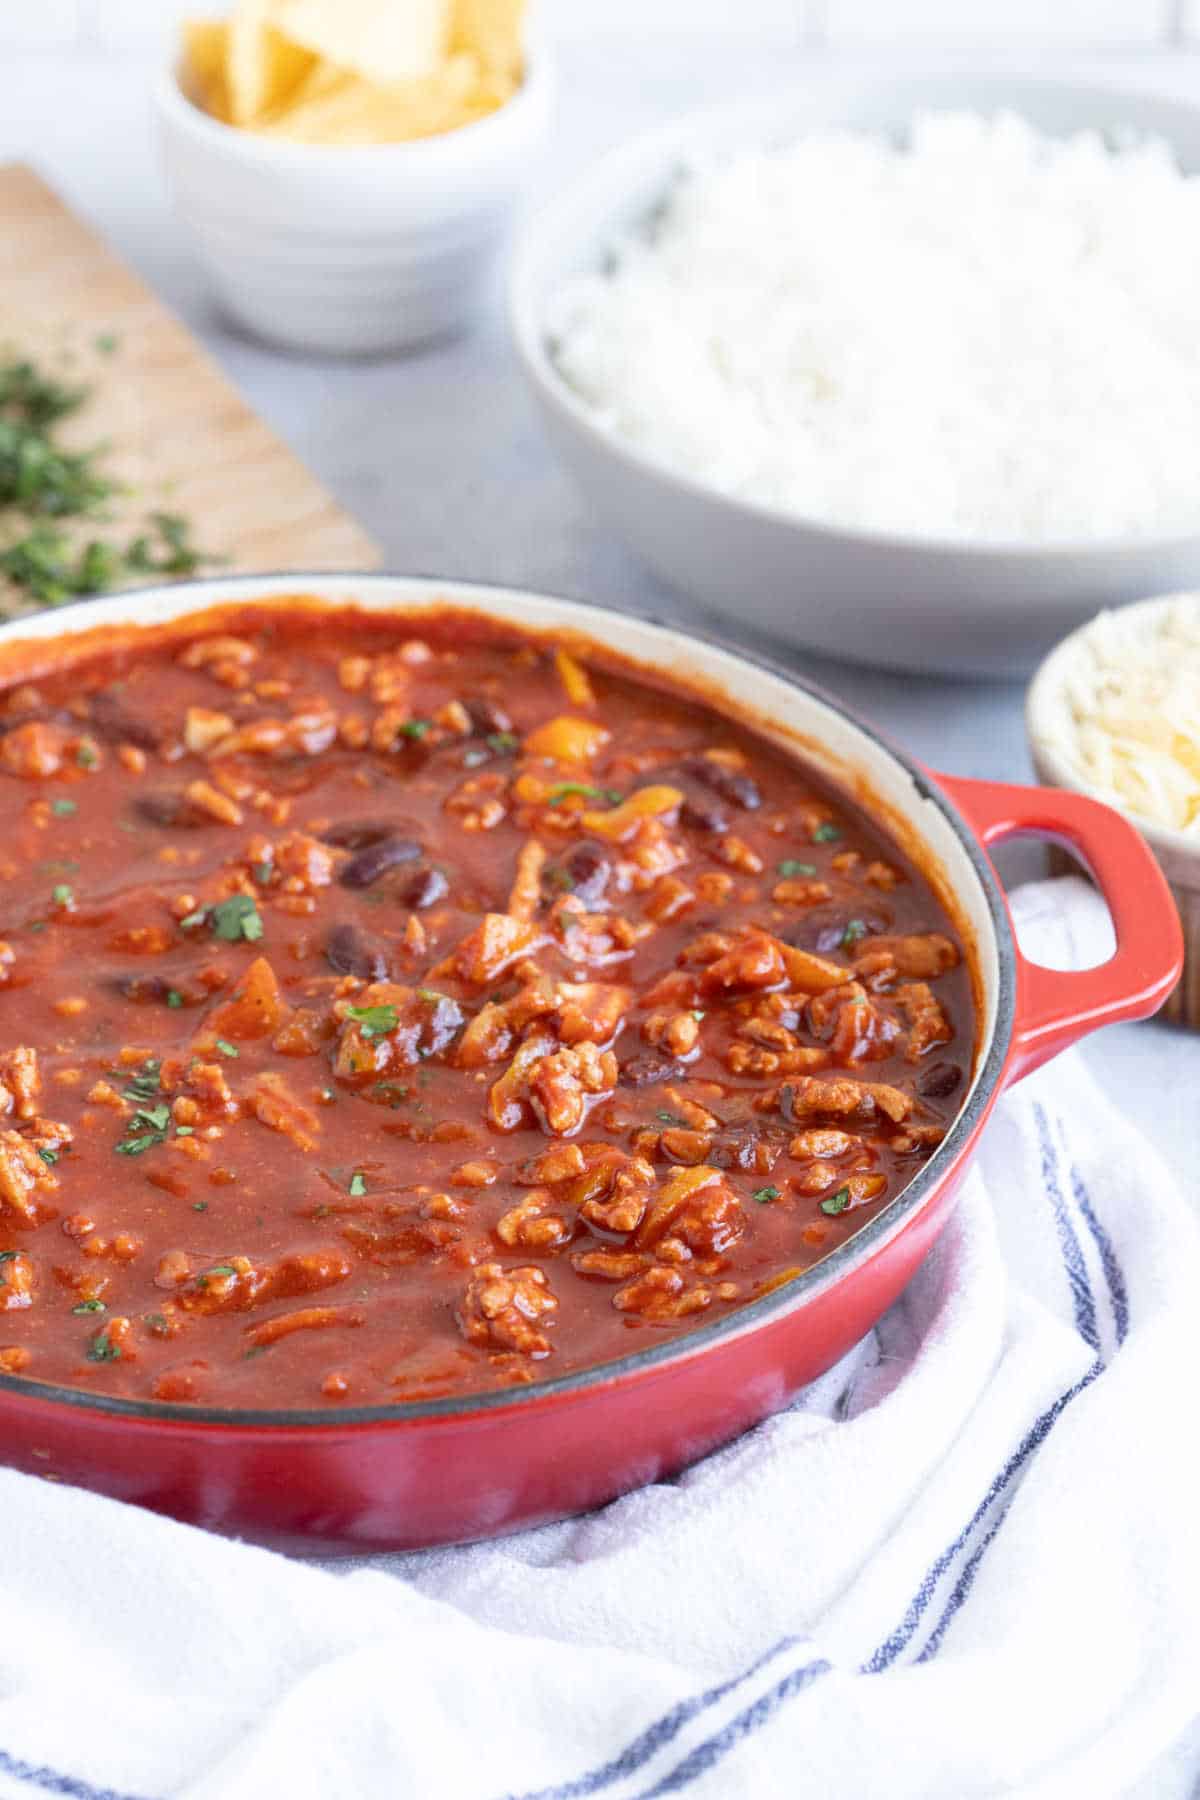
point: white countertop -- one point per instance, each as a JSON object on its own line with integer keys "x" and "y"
{"x": 441, "y": 455}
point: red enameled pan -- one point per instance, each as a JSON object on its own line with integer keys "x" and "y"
{"x": 448, "y": 1470}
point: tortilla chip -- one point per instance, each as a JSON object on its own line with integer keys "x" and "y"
{"x": 202, "y": 75}
{"x": 381, "y": 40}
{"x": 263, "y": 67}
{"x": 363, "y": 112}
{"x": 492, "y": 30}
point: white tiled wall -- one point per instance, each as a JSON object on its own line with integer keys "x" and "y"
{"x": 116, "y": 25}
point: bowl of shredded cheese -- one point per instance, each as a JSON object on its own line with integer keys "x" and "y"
{"x": 901, "y": 370}
{"x": 1114, "y": 712}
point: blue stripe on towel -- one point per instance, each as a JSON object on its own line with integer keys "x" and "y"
{"x": 1084, "y": 1305}
{"x": 52, "y": 1782}
{"x": 1117, "y": 1291}
{"x": 662, "y": 1731}
{"x": 699, "y": 1761}
{"x": 1072, "y": 1253}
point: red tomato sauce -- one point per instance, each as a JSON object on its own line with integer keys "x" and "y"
{"x": 403, "y": 1010}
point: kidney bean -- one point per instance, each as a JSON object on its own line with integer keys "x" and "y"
{"x": 116, "y": 724}
{"x": 728, "y": 784}
{"x": 644, "y": 1071}
{"x": 351, "y": 951}
{"x": 823, "y": 927}
{"x": 939, "y": 1081}
{"x": 703, "y": 815}
{"x": 588, "y": 872}
{"x": 358, "y": 834}
{"x": 172, "y": 810}
{"x": 487, "y": 716}
{"x": 424, "y": 889}
{"x": 148, "y": 990}
{"x": 370, "y": 864}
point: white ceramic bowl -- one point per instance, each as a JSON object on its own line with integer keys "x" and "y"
{"x": 351, "y": 250}
{"x": 1047, "y": 722}
{"x": 911, "y": 603}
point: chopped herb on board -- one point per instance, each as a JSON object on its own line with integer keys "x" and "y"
{"x": 42, "y": 483}
{"x": 837, "y": 1203}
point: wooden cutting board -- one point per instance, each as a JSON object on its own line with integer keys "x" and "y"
{"x": 182, "y": 438}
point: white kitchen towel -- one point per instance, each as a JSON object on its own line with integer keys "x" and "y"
{"x": 967, "y": 1562}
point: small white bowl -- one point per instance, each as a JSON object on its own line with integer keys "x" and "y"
{"x": 917, "y": 603}
{"x": 1047, "y": 721}
{"x": 351, "y": 250}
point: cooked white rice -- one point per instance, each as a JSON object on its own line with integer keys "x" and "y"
{"x": 986, "y": 334}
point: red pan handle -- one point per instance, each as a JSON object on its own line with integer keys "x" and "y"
{"x": 1055, "y": 1007}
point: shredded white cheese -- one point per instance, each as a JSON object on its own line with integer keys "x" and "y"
{"x": 981, "y": 334}
{"x": 1129, "y": 719}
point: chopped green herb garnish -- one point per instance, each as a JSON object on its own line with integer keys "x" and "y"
{"x": 199, "y": 1205}
{"x": 670, "y": 1118}
{"x": 157, "y": 1323}
{"x": 765, "y": 1194}
{"x": 174, "y": 997}
{"x": 358, "y": 1184}
{"x": 826, "y": 833}
{"x": 148, "y": 1125}
{"x": 855, "y": 929}
{"x": 416, "y": 728}
{"x": 790, "y": 867}
{"x": 166, "y": 549}
{"x": 146, "y": 1082}
{"x": 374, "y": 1021}
{"x": 394, "y": 1092}
{"x": 836, "y": 1203}
{"x": 584, "y": 790}
{"x": 102, "y": 1349}
{"x": 86, "y": 757}
{"x": 49, "y": 1157}
{"x": 64, "y": 808}
{"x": 90, "y": 1306}
{"x": 226, "y": 1048}
{"x": 235, "y": 918}
{"x": 33, "y": 398}
{"x": 184, "y": 1130}
{"x": 193, "y": 918}
{"x": 502, "y": 741}
{"x": 264, "y": 872}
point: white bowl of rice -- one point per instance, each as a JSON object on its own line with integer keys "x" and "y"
{"x": 1114, "y": 712}
{"x": 907, "y": 372}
